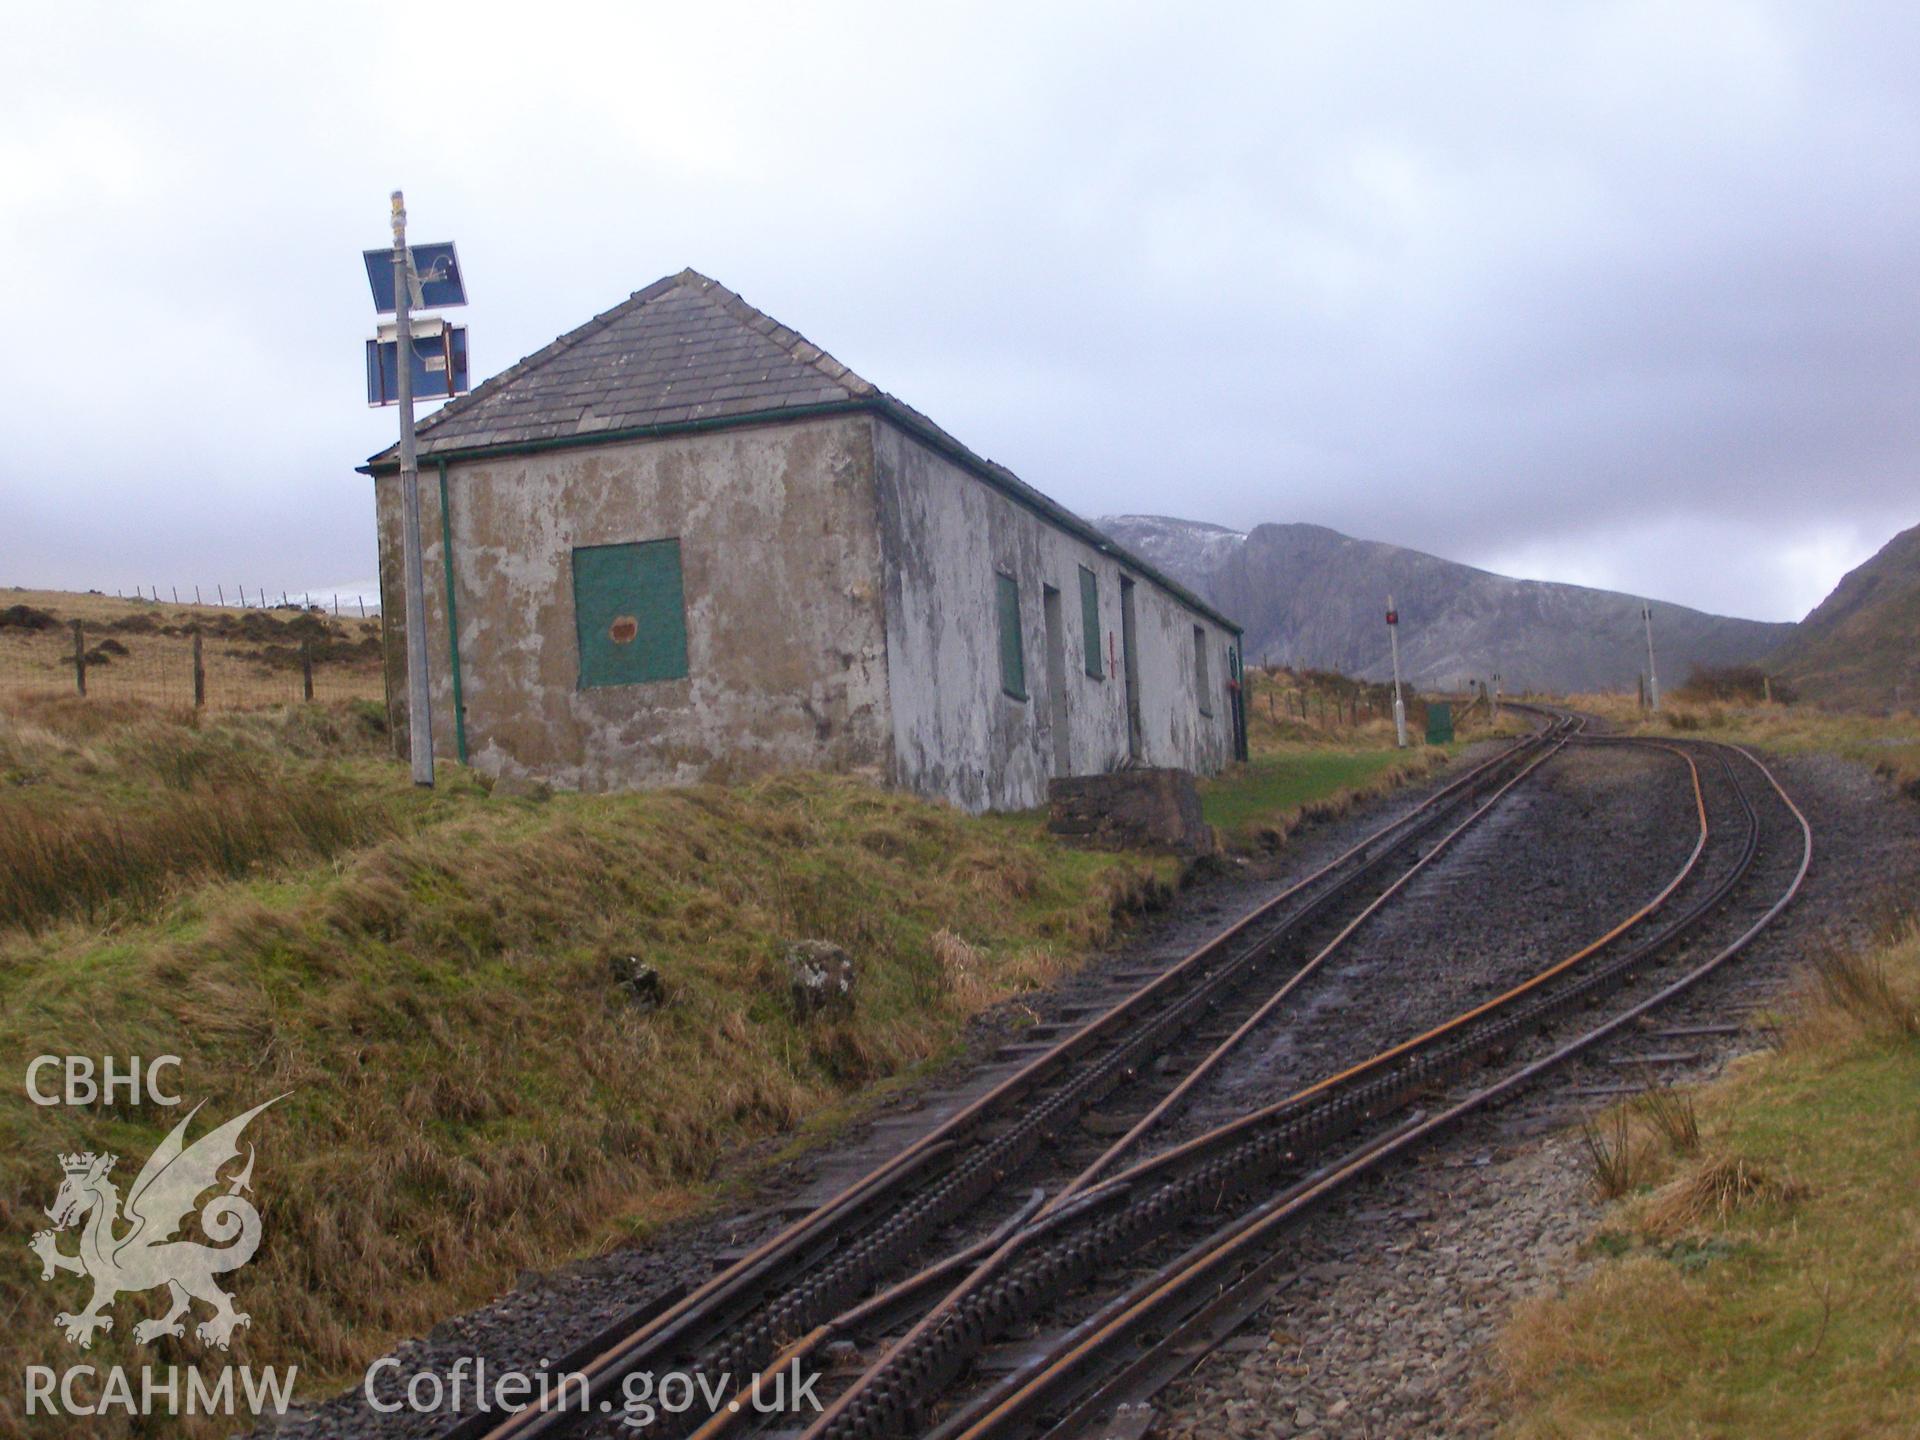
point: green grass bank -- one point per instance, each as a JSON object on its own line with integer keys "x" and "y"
{"x": 1764, "y": 1280}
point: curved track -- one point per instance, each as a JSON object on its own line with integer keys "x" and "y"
{"x": 1157, "y": 1325}
{"x": 856, "y": 1240}
{"x": 1030, "y": 1236}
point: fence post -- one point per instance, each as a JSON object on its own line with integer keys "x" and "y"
{"x": 306, "y": 667}
{"x": 199, "y": 673}
{"x": 79, "y": 658}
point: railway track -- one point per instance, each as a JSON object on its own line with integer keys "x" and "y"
{"x": 996, "y": 1148}
{"x": 1119, "y": 1299}
{"x": 1052, "y": 1257}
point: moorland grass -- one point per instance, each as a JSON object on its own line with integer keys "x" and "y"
{"x": 1889, "y": 744}
{"x": 469, "y": 1092}
{"x": 430, "y": 979}
{"x": 1767, "y": 1286}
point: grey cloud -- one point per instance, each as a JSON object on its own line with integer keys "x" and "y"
{"x": 1619, "y": 290}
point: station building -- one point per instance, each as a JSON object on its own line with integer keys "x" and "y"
{"x": 682, "y": 543}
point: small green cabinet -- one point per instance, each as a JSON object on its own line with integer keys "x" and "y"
{"x": 629, "y": 604}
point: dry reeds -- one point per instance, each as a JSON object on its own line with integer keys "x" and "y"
{"x": 1672, "y": 1116}
{"x": 1611, "y": 1155}
{"x": 1859, "y": 986}
{"x": 1715, "y": 1191}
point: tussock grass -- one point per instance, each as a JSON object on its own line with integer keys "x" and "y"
{"x": 1613, "y": 1154}
{"x": 1858, "y": 990}
{"x": 1672, "y": 1116}
{"x": 97, "y": 864}
{"x": 113, "y": 806}
{"x": 1714, "y": 1192}
{"x": 471, "y": 1093}
{"x": 1768, "y": 1288}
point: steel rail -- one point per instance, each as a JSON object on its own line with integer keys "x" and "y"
{"x": 724, "y": 1297}
{"x": 991, "y": 1267}
{"x": 1173, "y": 1099}
{"x": 1500, "y": 1002}
{"x": 1206, "y": 1277}
{"x": 902, "y": 1354}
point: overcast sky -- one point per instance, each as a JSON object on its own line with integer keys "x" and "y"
{"x": 1617, "y": 294}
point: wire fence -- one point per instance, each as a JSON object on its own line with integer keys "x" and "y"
{"x": 335, "y": 603}
{"x": 185, "y": 655}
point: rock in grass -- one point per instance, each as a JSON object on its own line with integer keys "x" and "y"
{"x": 819, "y": 978}
{"x": 638, "y": 981}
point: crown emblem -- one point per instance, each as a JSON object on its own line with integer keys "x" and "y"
{"x": 81, "y": 1163}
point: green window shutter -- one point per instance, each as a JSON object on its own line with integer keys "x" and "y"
{"x": 630, "y": 607}
{"x": 1202, "y": 679}
{"x": 1090, "y": 622}
{"x": 1013, "y": 658}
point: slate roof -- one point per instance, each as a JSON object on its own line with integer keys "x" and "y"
{"x": 686, "y": 348}
{"x": 688, "y": 351}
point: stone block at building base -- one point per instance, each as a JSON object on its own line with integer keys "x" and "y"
{"x": 1130, "y": 810}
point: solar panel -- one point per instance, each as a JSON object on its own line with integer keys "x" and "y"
{"x": 436, "y": 270}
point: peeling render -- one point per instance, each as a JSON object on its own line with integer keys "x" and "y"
{"x": 786, "y": 648}
{"x": 840, "y": 612}
{"x": 944, "y": 536}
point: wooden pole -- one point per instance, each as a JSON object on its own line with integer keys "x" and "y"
{"x": 306, "y": 667}
{"x": 79, "y": 658}
{"x": 199, "y": 672}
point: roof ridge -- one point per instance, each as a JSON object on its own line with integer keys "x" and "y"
{"x": 790, "y": 341}
{"x": 552, "y": 350}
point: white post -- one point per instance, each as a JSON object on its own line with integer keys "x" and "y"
{"x": 419, "y": 705}
{"x": 1653, "y": 680}
{"x": 1399, "y": 705}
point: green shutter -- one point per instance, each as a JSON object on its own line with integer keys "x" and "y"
{"x": 1202, "y": 678}
{"x": 1013, "y": 659}
{"x": 1090, "y": 622}
{"x": 630, "y": 608}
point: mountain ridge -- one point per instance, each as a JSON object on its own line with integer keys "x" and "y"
{"x": 1861, "y": 645}
{"x": 1313, "y": 597}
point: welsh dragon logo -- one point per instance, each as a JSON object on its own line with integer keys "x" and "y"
{"x": 145, "y": 1256}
